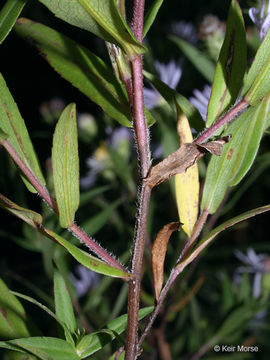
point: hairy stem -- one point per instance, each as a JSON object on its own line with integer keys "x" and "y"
{"x": 43, "y": 192}
{"x": 135, "y": 285}
{"x": 229, "y": 116}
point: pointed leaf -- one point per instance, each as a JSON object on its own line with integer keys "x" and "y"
{"x": 211, "y": 236}
{"x": 12, "y": 315}
{"x": 86, "y": 259}
{"x": 159, "y": 250}
{"x": 201, "y": 62}
{"x": 8, "y": 16}
{"x": 80, "y": 67}
{"x": 63, "y": 305}
{"x": 237, "y": 156}
{"x": 175, "y": 100}
{"x": 46, "y": 348}
{"x": 256, "y": 84}
{"x": 231, "y": 65}
{"x": 151, "y": 15}
{"x": 65, "y": 163}
{"x": 95, "y": 341}
{"x": 13, "y": 125}
{"x": 30, "y": 217}
{"x": 187, "y": 185}
{"x": 99, "y": 17}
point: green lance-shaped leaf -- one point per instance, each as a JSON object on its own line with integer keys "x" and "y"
{"x": 256, "y": 85}
{"x": 151, "y": 15}
{"x": 12, "y": 124}
{"x": 63, "y": 305}
{"x": 45, "y": 348}
{"x": 86, "y": 259}
{"x": 12, "y": 315}
{"x": 250, "y": 145}
{"x": 95, "y": 341}
{"x": 8, "y": 16}
{"x": 231, "y": 66}
{"x": 65, "y": 163}
{"x": 99, "y": 17}
{"x": 201, "y": 62}
{"x": 237, "y": 156}
{"x": 175, "y": 100}
{"x": 30, "y": 217}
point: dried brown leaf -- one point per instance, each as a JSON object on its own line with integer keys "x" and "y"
{"x": 179, "y": 161}
{"x": 159, "y": 250}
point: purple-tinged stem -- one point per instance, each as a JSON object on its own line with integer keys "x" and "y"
{"x": 230, "y": 115}
{"x": 43, "y": 192}
{"x": 140, "y": 128}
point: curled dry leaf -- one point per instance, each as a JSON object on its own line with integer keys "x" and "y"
{"x": 179, "y": 161}
{"x": 158, "y": 254}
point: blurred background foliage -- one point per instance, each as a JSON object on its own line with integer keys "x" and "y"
{"x": 221, "y": 298}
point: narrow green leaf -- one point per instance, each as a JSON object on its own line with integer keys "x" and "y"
{"x": 151, "y": 15}
{"x": 63, "y": 305}
{"x": 175, "y": 99}
{"x": 231, "y": 66}
{"x": 45, "y": 348}
{"x": 256, "y": 84}
{"x": 30, "y": 217}
{"x": 201, "y": 62}
{"x": 37, "y": 303}
{"x": 99, "y": 17}
{"x": 65, "y": 163}
{"x": 93, "y": 225}
{"x": 212, "y": 235}
{"x": 237, "y": 156}
{"x": 86, "y": 259}
{"x": 12, "y": 124}
{"x": 8, "y": 16}
{"x": 12, "y": 315}
{"x": 93, "y": 342}
{"x": 249, "y": 147}
{"x": 80, "y": 67}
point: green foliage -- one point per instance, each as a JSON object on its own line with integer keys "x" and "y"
{"x": 65, "y": 163}
{"x": 102, "y": 19}
{"x": 87, "y": 307}
{"x": 8, "y": 16}
{"x": 231, "y": 66}
{"x": 12, "y": 124}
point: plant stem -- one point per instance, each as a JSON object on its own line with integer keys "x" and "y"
{"x": 142, "y": 141}
{"x": 43, "y": 192}
{"x": 135, "y": 285}
{"x": 140, "y": 128}
{"x": 174, "y": 274}
{"x": 230, "y": 115}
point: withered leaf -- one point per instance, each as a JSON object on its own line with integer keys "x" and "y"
{"x": 158, "y": 254}
{"x": 179, "y": 161}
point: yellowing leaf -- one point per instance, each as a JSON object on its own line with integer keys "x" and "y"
{"x": 158, "y": 254}
{"x": 187, "y": 184}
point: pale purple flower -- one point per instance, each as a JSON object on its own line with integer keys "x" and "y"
{"x": 185, "y": 30}
{"x": 254, "y": 264}
{"x": 260, "y": 18}
{"x": 84, "y": 279}
{"x": 200, "y": 100}
{"x": 170, "y": 74}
